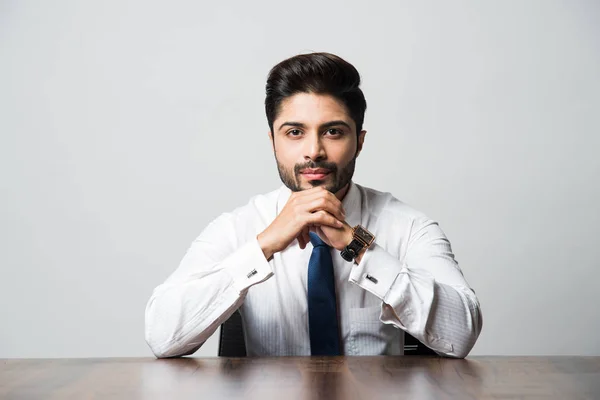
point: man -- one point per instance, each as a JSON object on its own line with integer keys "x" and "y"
{"x": 322, "y": 265}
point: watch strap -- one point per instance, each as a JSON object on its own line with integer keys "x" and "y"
{"x": 352, "y": 250}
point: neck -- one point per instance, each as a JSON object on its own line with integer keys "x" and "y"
{"x": 342, "y": 192}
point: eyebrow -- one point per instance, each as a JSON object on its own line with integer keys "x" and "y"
{"x": 322, "y": 126}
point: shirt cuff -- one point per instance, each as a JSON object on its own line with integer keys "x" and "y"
{"x": 377, "y": 271}
{"x": 248, "y": 266}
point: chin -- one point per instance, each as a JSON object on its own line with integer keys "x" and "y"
{"x": 317, "y": 183}
{"x": 327, "y": 185}
{"x": 323, "y": 182}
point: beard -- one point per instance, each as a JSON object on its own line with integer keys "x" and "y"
{"x": 335, "y": 181}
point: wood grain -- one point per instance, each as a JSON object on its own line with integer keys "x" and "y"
{"x": 291, "y": 378}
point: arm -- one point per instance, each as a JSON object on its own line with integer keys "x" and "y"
{"x": 208, "y": 286}
{"x": 214, "y": 276}
{"x": 426, "y": 295}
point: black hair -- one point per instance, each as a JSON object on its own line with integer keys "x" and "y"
{"x": 319, "y": 73}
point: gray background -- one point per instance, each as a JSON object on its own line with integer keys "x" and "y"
{"x": 127, "y": 126}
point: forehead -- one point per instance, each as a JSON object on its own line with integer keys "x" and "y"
{"x": 312, "y": 109}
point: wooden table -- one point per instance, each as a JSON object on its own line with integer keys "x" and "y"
{"x": 410, "y": 377}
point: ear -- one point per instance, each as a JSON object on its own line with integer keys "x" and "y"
{"x": 361, "y": 140}
{"x": 272, "y": 139}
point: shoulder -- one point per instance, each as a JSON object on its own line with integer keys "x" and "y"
{"x": 258, "y": 204}
{"x": 257, "y": 208}
{"x": 385, "y": 204}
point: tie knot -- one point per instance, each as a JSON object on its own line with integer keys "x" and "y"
{"x": 316, "y": 240}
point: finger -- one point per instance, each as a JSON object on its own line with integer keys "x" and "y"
{"x": 319, "y": 232}
{"x": 324, "y": 218}
{"x": 318, "y": 192}
{"x": 326, "y": 204}
{"x": 312, "y": 193}
{"x": 306, "y": 235}
{"x": 308, "y": 193}
{"x": 337, "y": 204}
{"x": 301, "y": 241}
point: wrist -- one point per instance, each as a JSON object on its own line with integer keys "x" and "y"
{"x": 348, "y": 236}
{"x": 360, "y": 256}
{"x": 267, "y": 249}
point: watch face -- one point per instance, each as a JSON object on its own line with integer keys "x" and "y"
{"x": 363, "y": 235}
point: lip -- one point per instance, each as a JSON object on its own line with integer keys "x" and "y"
{"x": 315, "y": 171}
{"x": 316, "y": 174}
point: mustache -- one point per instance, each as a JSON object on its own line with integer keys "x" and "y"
{"x": 314, "y": 165}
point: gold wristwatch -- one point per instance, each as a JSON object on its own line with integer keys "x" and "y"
{"x": 361, "y": 238}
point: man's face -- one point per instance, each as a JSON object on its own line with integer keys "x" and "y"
{"x": 314, "y": 141}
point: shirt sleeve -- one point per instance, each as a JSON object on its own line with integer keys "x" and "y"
{"x": 210, "y": 283}
{"x": 427, "y": 294}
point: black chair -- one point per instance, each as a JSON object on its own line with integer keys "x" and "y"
{"x": 232, "y": 344}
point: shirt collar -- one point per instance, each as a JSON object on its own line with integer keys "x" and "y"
{"x": 351, "y": 202}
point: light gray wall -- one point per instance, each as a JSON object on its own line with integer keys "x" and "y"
{"x": 126, "y": 126}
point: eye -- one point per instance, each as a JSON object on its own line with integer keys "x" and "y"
{"x": 335, "y": 131}
{"x": 294, "y": 132}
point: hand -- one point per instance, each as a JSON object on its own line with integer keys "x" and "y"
{"x": 338, "y": 238}
{"x": 305, "y": 209}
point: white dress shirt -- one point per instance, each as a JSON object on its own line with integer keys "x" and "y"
{"x": 408, "y": 280}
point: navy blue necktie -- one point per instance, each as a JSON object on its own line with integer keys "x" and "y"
{"x": 322, "y": 309}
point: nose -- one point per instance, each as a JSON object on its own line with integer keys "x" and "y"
{"x": 313, "y": 148}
